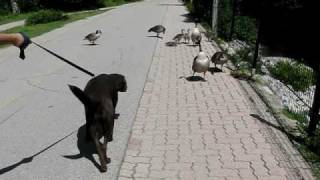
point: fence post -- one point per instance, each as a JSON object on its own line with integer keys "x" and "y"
{"x": 314, "y": 111}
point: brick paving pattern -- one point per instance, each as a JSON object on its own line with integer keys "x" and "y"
{"x": 194, "y": 129}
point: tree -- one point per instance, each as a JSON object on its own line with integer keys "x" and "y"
{"x": 14, "y": 6}
{"x": 214, "y": 16}
{"x": 288, "y": 29}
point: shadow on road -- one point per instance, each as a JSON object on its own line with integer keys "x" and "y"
{"x": 171, "y": 44}
{"x": 213, "y": 70}
{"x": 156, "y": 37}
{"x": 291, "y": 136}
{"x": 90, "y": 44}
{"x": 168, "y": 4}
{"x": 193, "y": 78}
{"x": 188, "y": 17}
{"x": 86, "y": 149}
{"x": 30, "y": 158}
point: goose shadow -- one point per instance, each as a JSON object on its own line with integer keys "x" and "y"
{"x": 171, "y": 44}
{"x": 155, "y": 36}
{"x": 30, "y": 158}
{"x": 192, "y": 45}
{"x": 86, "y": 148}
{"x": 90, "y": 44}
{"x": 193, "y": 78}
{"x": 213, "y": 70}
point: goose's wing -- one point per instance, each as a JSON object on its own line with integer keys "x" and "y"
{"x": 178, "y": 36}
{"x": 154, "y": 28}
{"x": 89, "y": 36}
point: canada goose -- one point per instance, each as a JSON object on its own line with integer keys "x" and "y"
{"x": 92, "y": 37}
{"x": 219, "y": 58}
{"x": 158, "y": 29}
{"x": 179, "y": 36}
{"x": 201, "y": 63}
{"x": 196, "y": 35}
{"x": 187, "y": 36}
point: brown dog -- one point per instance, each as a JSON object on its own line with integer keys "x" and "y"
{"x": 100, "y": 98}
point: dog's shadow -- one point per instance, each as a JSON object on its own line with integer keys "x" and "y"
{"x": 86, "y": 148}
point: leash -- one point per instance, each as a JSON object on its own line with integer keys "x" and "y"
{"x": 65, "y": 60}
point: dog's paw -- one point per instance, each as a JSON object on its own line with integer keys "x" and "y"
{"x": 116, "y": 115}
{"x": 103, "y": 169}
{"x": 108, "y": 160}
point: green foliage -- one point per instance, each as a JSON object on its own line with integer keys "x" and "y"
{"x": 190, "y": 7}
{"x": 28, "y": 5}
{"x": 71, "y": 5}
{"x": 242, "y": 58}
{"x": 245, "y": 29}
{"x": 224, "y": 18}
{"x": 244, "y": 26}
{"x": 294, "y": 74}
{"x": 202, "y": 9}
{"x": 45, "y": 16}
{"x": 4, "y": 7}
{"x": 299, "y": 116}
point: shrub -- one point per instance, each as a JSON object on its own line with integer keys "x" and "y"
{"x": 28, "y": 5}
{"x": 245, "y": 29}
{"x": 242, "y": 56}
{"x": 71, "y": 4}
{"x": 224, "y": 18}
{"x": 45, "y": 16}
{"x": 293, "y": 73}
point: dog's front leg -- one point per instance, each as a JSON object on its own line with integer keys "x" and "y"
{"x": 103, "y": 163}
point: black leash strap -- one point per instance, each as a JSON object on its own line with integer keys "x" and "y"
{"x": 65, "y": 60}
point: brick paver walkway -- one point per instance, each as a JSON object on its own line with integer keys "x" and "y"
{"x": 196, "y": 130}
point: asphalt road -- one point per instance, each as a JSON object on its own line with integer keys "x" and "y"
{"x": 41, "y": 122}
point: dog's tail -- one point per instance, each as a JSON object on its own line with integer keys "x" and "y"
{"x": 80, "y": 95}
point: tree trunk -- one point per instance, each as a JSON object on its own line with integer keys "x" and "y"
{"x": 256, "y": 49}
{"x": 15, "y": 7}
{"x": 314, "y": 111}
{"x": 215, "y": 16}
{"x": 234, "y": 7}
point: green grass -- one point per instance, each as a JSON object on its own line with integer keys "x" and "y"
{"x": 4, "y": 19}
{"x": 293, "y": 73}
{"x": 312, "y": 158}
{"x": 309, "y": 148}
{"x": 38, "y": 29}
{"x": 299, "y": 116}
{"x": 109, "y": 3}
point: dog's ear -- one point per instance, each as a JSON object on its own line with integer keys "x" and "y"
{"x": 80, "y": 95}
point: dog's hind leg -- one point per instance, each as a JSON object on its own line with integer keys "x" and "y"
{"x": 103, "y": 163}
{"x": 104, "y": 148}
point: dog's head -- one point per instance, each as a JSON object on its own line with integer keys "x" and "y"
{"x": 120, "y": 82}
